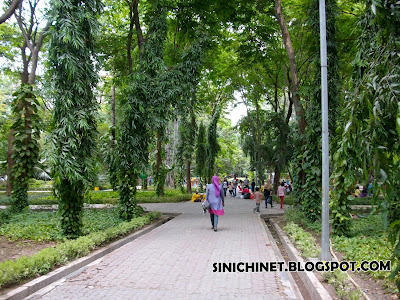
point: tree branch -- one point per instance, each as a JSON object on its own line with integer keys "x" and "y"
{"x": 10, "y": 10}
{"x": 24, "y": 33}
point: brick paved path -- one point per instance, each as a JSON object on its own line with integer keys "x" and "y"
{"x": 175, "y": 261}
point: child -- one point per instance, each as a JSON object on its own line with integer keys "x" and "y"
{"x": 230, "y": 188}
{"x": 281, "y": 192}
{"x": 258, "y": 197}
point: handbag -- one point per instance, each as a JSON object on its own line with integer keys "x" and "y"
{"x": 205, "y": 204}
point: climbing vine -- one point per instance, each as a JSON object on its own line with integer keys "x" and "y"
{"x": 368, "y": 137}
{"x": 311, "y": 154}
{"x": 201, "y": 148}
{"x": 71, "y": 53}
{"x": 26, "y": 149}
{"x": 212, "y": 145}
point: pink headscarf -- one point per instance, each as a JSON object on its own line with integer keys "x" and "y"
{"x": 215, "y": 181}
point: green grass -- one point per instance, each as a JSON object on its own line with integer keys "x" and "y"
{"x": 44, "y": 226}
{"x": 303, "y": 240}
{"x": 367, "y": 240}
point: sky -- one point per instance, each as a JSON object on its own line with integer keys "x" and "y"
{"x": 236, "y": 110}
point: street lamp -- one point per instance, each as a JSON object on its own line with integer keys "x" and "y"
{"x": 325, "y": 253}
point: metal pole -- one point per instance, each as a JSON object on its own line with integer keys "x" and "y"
{"x": 325, "y": 253}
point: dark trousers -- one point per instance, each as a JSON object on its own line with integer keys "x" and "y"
{"x": 268, "y": 200}
{"x": 214, "y": 220}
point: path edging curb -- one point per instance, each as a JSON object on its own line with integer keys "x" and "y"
{"x": 278, "y": 254}
{"x": 36, "y": 284}
{"x": 310, "y": 281}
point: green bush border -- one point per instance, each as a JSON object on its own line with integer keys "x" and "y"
{"x": 15, "y": 271}
{"x": 49, "y": 200}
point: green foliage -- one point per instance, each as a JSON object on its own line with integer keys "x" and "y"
{"x": 293, "y": 214}
{"x": 111, "y": 197}
{"x": 187, "y": 134}
{"x": 367, "y": 132}
{"x": 71, "y": 53}
{"x": 5, "y": 215}
{"x": 25, "y": 143}
{"x": 340, "y": 281}
{"x": 212, "y": 146}
{"x": 367, "y": 239}
{"x": 201, "y": 152}
{"x": 12, "y": 272}
{"x": 35, "y": 226}
{"x": 142, "y": 95}
{"x": 310, "y": 151}
{"x": 303, "y": 240}
{"x": 44, "y": 226}
{"x": 361, "y": 248}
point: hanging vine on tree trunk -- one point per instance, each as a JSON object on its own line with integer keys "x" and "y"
{"x": 71, "y": 53}
{"x": 25, "y": 145}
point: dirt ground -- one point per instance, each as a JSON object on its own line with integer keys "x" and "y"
{"x": 10, "y": 250}
{"x": 373, "y": 289}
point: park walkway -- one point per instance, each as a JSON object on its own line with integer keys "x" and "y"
{"x": 175, "y": 261}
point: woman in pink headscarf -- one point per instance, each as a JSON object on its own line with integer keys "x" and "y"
{"x": 215, "y": 196}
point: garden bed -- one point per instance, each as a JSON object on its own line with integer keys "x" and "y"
{"x": 39, "y": 246}
{"x": 367, "y": 243}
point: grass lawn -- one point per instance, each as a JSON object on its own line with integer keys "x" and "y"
{"x": 44, "y": 226}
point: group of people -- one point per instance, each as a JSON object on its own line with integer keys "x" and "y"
{"x": 215, "y": 196}
{"x": 363, "y": 191}
{"x": 238, "y": 186}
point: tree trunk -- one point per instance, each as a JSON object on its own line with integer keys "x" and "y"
{"x": 292, "y": 64}
{"x": 159, "y": 158}
{"x": 295, "y": 78}
{"x": 113, "y": 118}
{"x": 139, "y": 32}
{"x": 10, "y": 162}
{"x": 168, "y": 155}
{"x": 26, "y": 78}
{"x": 258, "y": 148}
{"x": 277, "y": 178}
{"x": 188, "y": 181}
{"x": 129, "y": 40}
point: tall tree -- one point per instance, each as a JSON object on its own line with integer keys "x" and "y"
{"x": 71, "y": 54}
{"x": 300, "y": 115}
{"x": 212, "y": 144}
{"x": 23, "y": 151}
{"x": 201, "y": 154}
{"x": 144, "y": 91}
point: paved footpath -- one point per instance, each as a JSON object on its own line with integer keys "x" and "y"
{"x": 175, "y": 261}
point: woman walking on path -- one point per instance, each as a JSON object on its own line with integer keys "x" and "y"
{"x": 281, "y": 192}
{"x": 215, "y": 196}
